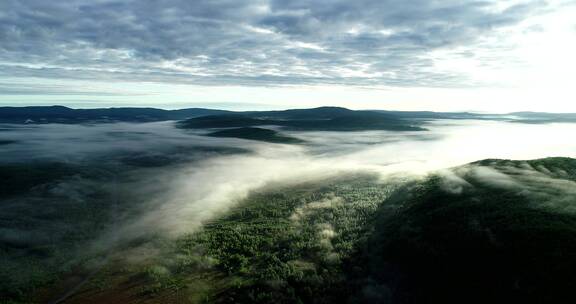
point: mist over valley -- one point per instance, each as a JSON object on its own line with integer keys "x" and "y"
{"x": 287, "y": 152}
{"x": 164, "y": 210}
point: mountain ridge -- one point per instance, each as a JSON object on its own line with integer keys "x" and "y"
{"x": 64, "y": 114}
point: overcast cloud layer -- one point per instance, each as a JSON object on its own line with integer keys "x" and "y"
{"x": 259, "y": 42}
{"x": 443, "y": 55}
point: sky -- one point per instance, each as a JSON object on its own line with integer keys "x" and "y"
{"x": 442, "y": 55}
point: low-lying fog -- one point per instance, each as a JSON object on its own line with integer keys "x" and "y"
{"x": 447, "y": 143}
{"x": 205, "y": 176}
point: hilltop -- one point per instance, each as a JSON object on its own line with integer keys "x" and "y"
{"x": 494, "y": 231}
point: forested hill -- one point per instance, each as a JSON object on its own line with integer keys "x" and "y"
{"x": 496, "y": 231}
{"x": 61, "y": 114}
{"x": 319, "y": 119}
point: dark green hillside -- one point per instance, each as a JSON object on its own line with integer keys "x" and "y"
{"x": 556, "y": 165}
{"x": 222, "y": 121}
{"x": 52, "y": 212}
{"x": 282, "y": 245}
{"x": 491, "y": 243}
{"x": 494, "y": 231}
{"x": 21, "y": 178}
{"x": 46, "y": 210}
{"x": 310, "y": 120}
{"x": 256, "y": 134}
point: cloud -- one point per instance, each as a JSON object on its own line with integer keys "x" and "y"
{"x": 15, "y": 88}
{"x": 257, "y": 42}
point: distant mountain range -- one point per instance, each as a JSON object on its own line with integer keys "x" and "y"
{"x": 60, "y": 114}
{"x": 334, "y": 116}
{"x": 541, "y": 117}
